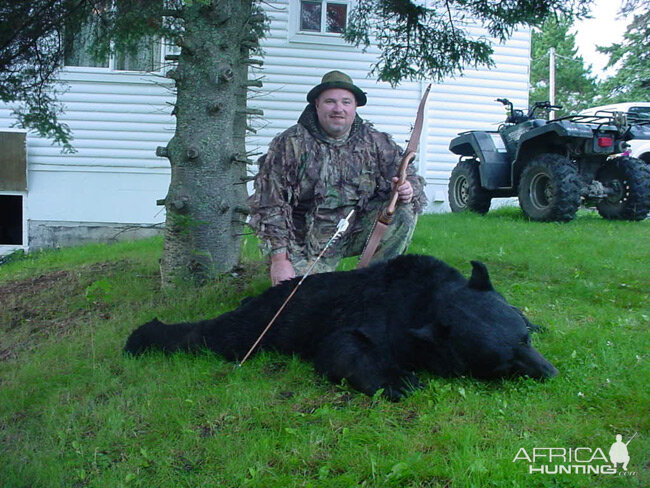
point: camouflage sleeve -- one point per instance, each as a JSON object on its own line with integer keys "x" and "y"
{"x": 391, "y": 156}
{"x": 269, "y": 204}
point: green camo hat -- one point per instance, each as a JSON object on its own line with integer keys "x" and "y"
{"x": 337, "y": 79}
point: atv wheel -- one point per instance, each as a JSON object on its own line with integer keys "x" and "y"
{"x": 549, "y": 189}
{"x": 465, "y": 192}
{"x": 628, "y": 180}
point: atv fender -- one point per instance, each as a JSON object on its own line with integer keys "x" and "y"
{"x": 488, "y": 148}
{"x": 556, "y": 131}
{"x": 548, "y": 138}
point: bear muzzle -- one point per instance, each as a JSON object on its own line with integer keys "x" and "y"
{"x": 529, "y": 362}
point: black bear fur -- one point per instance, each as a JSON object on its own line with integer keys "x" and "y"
{"x": 373, "y": 326}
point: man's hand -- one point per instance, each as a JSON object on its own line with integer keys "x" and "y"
{"x": 281, "y": 268}
{"x": 404, "y": 191}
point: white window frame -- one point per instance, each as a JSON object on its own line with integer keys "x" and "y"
{"x": 9, "y": 248}
{"x": 332, "y": 38}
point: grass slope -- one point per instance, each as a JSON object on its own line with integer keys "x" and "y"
{"x": 75, "y": 412}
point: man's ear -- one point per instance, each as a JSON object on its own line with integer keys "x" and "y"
{"x": 480, "y": 279}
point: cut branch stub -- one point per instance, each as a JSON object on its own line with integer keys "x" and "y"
{"x": 227, "y": 75}
{"x": 245, "y": 179}
{"x": 240, "y": 158}
{"x": 221, "y": 11}
{"x": 250, "y": 111}
{"x": 174, "y": 75}
{"x": 215, "y": 107}
{"x": 222, "y": 206}
{"x": 162, "y": 152}
{"x": 241, "y": 209}
{"x": 179, "y": 204}
{"x": 192, "y": 152}
{"x": 186, "y": 46}
{"x": 257, "y": 62}
{"x": 221, "y": 16}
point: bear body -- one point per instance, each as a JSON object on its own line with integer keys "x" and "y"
{"x": 373, "y": 326}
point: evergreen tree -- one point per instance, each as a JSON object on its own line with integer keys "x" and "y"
{"x": 575, "y": 86}
{"x": 631, "y": 58}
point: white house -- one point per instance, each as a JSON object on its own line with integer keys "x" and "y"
{"x": 119, "y": 113}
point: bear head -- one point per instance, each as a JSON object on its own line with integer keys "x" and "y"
{"x": 467, "y": 327}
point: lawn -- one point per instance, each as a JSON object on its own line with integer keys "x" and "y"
{"x": 75, "y": 412}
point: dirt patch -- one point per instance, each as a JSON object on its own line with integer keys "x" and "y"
{"x": 60, "y": 303}
{"x": 30, "y": 285}
{"x": 53, "y": 304}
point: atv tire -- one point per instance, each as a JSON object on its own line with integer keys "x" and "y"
{"x": 549, "y": 189}
{"x": 465, "y": 192}
{"x": 629, "y": 181}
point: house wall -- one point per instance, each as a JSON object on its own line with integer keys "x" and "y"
{"x": 109, "y": 187}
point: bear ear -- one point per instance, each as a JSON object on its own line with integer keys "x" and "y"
{"x": 480, "y": 279}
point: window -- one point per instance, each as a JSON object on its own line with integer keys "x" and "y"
{"x": 11, "y": 220}
{"x": 643, "y": 112}
{"x": 76, "y": 46}
{"x": 323, "y": 16}
{"x": 147, "y": 57}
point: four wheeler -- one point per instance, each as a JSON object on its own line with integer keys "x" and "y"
{"x": 553, "y": 166}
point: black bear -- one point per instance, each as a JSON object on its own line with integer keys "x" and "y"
{"x": 374, "y": 326}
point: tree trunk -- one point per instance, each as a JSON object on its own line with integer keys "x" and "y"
{"x": 206, "y": 200}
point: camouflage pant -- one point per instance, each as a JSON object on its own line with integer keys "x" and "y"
{"x": 394, "y": 242}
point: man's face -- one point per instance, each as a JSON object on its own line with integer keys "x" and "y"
{"x": 336, "y": 109}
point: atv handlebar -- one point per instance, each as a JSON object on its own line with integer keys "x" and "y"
{"x": 516, "y": 116}
{"x": 543, "y": 105}
{"x": 506, "y": 102}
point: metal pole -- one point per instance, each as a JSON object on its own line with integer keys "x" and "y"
{"x": 551, "y": 81}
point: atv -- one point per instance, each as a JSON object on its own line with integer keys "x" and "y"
{"x": 553, "y": 166}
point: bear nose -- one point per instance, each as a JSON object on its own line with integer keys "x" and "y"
{"x": 531, "y": 363}
{"x": 546, "y": 371}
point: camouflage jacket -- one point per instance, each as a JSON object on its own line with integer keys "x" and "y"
{"x": 308, "y": 181}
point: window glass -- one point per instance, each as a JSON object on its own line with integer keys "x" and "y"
{"x": 642, "y": 111}
{"x": 310, "y": 16}
{"x": 76, "y": 45}
{"x": 146, "y": 58}
{"x": 336, "y": 15}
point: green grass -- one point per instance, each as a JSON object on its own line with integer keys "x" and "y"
{"x": 75, "y": 412}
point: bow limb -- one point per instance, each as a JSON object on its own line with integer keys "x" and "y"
{"x": 386, "y": 215}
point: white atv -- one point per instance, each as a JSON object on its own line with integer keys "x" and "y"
{"x": 639, "y": 148}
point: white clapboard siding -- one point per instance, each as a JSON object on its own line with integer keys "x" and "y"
{"x": 119, "y": 118}
{"x": 468, "y": 103}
